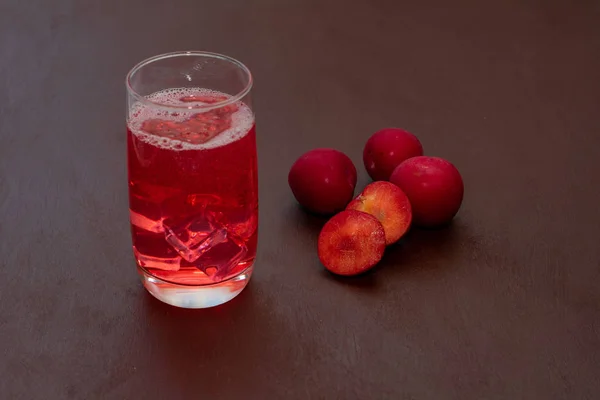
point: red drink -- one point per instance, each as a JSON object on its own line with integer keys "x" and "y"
{"x": 193, "y": 187}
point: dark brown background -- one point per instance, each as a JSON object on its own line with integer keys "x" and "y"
{"x": 504, "y": 304}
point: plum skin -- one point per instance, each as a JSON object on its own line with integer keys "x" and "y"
{"x": 323, "y": 180}
{"x": 386, "y": 149}
{"x": 433, "y": 186}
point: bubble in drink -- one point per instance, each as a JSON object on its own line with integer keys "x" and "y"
{"x": 193, "y": 186}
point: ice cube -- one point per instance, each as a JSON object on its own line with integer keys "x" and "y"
{"x": 213, "y": 238}
{"x": 163, "y": 263}
{"x": 218, "y": 261}
{"x": 194, "y": 236}
{"x": 143, "y": 222}
{"x": 245, "y": 227}
{"x": 198, "y": 128}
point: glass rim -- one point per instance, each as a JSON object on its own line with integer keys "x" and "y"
{"x": 189, "y": 53}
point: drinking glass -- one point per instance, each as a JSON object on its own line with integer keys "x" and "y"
{"x": 193, "y": 189}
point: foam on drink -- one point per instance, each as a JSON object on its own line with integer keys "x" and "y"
{"x": 241, "y": 121}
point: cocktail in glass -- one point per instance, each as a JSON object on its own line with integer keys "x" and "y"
{"x": 193, "y": 191}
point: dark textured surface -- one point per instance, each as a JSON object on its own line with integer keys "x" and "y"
{"x": 504, "y": 304}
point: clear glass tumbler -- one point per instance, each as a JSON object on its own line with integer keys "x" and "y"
{"x": 193, "y": 189}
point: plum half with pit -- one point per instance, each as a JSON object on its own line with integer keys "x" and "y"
{"x": 433, "y": 186}
{"x": 323, "y": 180}
{"x": 386, "y": 149}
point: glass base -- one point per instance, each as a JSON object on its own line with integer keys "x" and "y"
{"x": 204, "y": 296}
